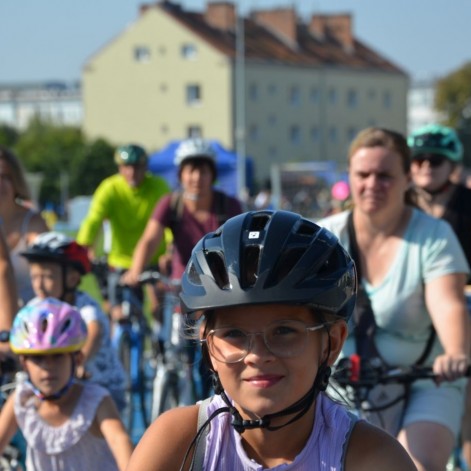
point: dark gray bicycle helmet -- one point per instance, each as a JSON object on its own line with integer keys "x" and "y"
{"x": 265, "y": 257}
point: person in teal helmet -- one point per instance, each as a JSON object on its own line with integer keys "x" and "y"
{"x": 436, "y": 152}
{"x": 126, "y": 200}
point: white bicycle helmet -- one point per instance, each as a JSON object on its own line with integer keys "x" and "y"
{"x": 194, "y": 148}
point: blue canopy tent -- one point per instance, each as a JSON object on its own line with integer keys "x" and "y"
{"x": 161, "y": 163}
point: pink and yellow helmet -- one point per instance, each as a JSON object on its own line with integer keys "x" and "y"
{"x": 49, "y": 327}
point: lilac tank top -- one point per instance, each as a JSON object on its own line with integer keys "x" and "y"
{"x": 324, "y": 451}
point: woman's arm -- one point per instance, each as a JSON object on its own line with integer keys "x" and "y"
{"x": 8, "y": 293}
{"x": 372, "y": 449}
{"x": 166, "y": 441}
{"x": 144, "y": 250}
{"x": 8, "y": 424}
{"x": 446, "y": 304}
{"x": 113, "y": 431}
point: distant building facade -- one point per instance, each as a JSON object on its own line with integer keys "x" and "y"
{"x": 308, "y": 88}
{"x": 421, "y": 104}
{"x": 58, "y": 102}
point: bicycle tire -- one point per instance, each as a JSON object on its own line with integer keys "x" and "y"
{"x": 144, "y": 391}
{"x": 170, "y": 394}
{"x": 124, "y": 353}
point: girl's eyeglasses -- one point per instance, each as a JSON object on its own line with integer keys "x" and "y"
{"x": 284, "y": 339}
{"x": 434, "y": 160}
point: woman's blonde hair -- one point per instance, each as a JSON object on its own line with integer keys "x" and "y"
{"x": 20, "y": 184}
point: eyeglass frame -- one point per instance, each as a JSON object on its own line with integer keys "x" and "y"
{"x": 250, "y": 335}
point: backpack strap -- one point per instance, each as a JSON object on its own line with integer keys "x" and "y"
{"x": 176, "y": 208}
{"x": 198, "y": 457}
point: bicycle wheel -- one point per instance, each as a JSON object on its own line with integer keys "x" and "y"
{"x": 144, "y": 390}
{"x": 165, "y": 390}
{"x": 124, "y": 352}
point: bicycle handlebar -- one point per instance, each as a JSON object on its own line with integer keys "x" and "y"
{"x": 356, "y": 373}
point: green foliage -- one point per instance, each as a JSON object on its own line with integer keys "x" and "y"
{"x": 95, "y": 164}
{"x": 453, "y": 94}
{"x": 66, "y": 160}
{"x": 8, "y": 135}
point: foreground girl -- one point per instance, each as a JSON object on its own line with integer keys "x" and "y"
{"x": 276, "y": 292}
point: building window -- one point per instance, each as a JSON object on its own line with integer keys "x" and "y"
{"x": 352, "y": 98}
{"x": 254, "y": 132}
{"x": 141, "y": 54}
{"x": 371, "y": 93}
{"x": 315, "y": 134}
{"x": 295, "y": 96}
{"x": 193, "y": 94}
{"x": 272, "y": 119}
{"x": 295, "y": 134}
{"x": 314, "y": 96}
{"x": 332, "y": 96}
{"x": 387, "y": 101}
{"x": 189, "y": 51}
{"x": 333, "y": 135}
{"x": 253, "y": 92}
{"x": 272, "y": 89}
{"x": 194, "y": 131}
{"x": 351, "y": 133}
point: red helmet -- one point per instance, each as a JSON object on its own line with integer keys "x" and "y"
{"x": 58, "y": 248}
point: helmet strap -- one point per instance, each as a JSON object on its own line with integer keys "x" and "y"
{"x": 57, "y": 395}
{"x": 299, "y": 408}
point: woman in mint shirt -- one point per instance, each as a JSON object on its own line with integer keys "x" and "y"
{"x": 414, "y": 272}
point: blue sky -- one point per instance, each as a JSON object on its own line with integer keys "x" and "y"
{"x": 52, "y": 39}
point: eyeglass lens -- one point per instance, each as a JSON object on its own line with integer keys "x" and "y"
{"x": 283, "y": 339}
{"x": 434, "y": 160}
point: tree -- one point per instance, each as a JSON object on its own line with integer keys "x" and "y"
{"x": 453, "y": 95}
{"x": 65, "y": 159}
{"x": 8, "y": 135}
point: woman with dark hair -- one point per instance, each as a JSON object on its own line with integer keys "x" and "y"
{"x": 19, "y": 223}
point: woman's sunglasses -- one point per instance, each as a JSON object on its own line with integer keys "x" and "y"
{"x": 434, "y": 160}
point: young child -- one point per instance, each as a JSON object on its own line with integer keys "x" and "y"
{"x": 57, "y": 264}
{"x": 276, "y": 292}
{"x": 67, "y": 425}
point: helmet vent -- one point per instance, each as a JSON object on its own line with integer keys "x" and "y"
{"x": 307, "y": 229}
{"x": 65, "y": 326}
{"x": 218, "y": 269}
{"x": 259, "y": 221}
{"x": 285, "y": 264}
{"x": 331, "y": 265}
{"x": 249, "y": 273}
{"x": 43, "y": 325}
{"x": 193, "y": 275}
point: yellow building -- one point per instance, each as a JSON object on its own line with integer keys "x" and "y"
{"x": 308, "y": 88}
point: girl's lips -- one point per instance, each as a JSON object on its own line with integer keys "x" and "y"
{"x": 264, "y": 381}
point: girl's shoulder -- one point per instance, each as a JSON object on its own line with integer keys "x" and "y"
{"x": 372, "y": 448}
{"x": 167, "y": 441}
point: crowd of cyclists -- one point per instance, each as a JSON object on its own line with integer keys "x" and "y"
{"x": 272, "y": 303}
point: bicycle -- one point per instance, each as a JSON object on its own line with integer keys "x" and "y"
{"x": 12, "y": 458}
{"x": 174, "y": 383}
{"x": 358, "y": 377}
{"x": 131, "y": 337}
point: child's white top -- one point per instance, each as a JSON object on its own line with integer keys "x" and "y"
{"x": 69, "y": 447}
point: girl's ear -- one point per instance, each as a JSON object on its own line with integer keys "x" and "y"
{"x": 338, "y": 332}
{"x": 22, "y": 361}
